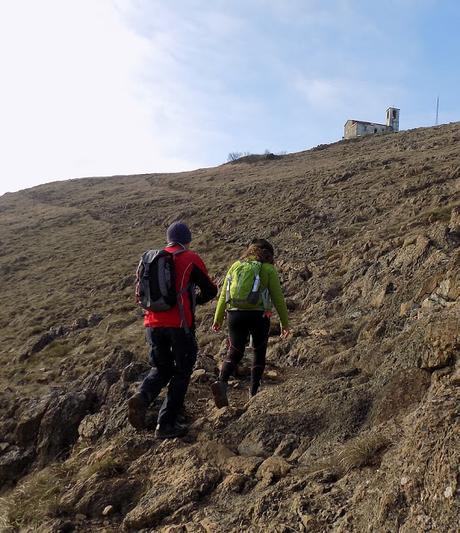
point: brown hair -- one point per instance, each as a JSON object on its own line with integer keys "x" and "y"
{"x": 257, "y": 253}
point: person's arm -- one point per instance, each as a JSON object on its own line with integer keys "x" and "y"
{"x": 277, "y": 297}
{"x": 220, "y": 309}
{"x": 221, "y": 302}
{"x": 199, "y": 277}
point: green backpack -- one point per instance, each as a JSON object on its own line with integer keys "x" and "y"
{"x": 243, "y": 285}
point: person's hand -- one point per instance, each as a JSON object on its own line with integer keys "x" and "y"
{"x": 216, "y": 327}
{"x": 285, "y": 332}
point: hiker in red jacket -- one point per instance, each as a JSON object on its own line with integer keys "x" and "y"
{"x": 171, "y": 336}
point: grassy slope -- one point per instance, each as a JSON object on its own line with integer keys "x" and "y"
{"x": 65, "y": 245}
{"x": 70, "y": 250}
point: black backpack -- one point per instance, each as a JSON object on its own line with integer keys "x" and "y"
{"x": 156, "y": 280}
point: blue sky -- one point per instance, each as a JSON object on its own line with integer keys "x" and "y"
{"x": 102, "y": 87}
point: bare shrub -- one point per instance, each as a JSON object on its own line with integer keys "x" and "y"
{"x": 233, "y": 156}
{"x": 361, "y": 451}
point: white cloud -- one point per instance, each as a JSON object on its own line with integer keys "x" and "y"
{"x": 123, "y": 86}
{"x": 322, "y": 94}
{"x": 70, "y": 101}
{"x": 344, "y": 99}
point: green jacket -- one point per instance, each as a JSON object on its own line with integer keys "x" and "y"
{"x": 269, "y": 280}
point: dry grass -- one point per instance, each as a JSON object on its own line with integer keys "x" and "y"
{"x": 438, "y": 214}
{"x": 364, "y": 450}
{"x": 361, "y": 451}
{"x": 106, "y": 467}
{"x": 38, "y": 497}
{"x": 107, "y": 462}
{"x": 57, "y": 349}
{"x": 35, "y": 500}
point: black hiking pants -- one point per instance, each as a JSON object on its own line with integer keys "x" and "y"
{"x": 241, "y": 324}
{"x": 172, "y": 355}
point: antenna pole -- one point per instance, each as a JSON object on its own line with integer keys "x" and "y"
{"x": 437, "y": 110}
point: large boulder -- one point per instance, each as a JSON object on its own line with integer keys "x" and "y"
{"x": 59, "y": 425}
{"x": 441, "y": 340}
{"x": 13, "y": 463}
{"x": 273, "y": 468}
{"x": 29, "y": 421}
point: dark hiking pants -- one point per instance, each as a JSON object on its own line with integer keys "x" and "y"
{"x": 241, "y": 324}
{"x": 172, "y": 356}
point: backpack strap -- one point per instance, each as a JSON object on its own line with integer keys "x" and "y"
{"x": 180, "y": 305}
{"x": 227, "y": 291}
{"x": 180, "y": 302}
{"x": 138, "y": 280}
{"x": 256, "y": 284}
{"x": 253, "y": 296}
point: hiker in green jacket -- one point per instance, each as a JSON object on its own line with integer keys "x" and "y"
{"x": 250, "y": 287}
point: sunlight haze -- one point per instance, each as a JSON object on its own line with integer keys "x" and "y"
{"x": 92, "y": 88}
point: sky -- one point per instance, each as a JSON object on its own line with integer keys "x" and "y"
{"x": 108, "y": 87}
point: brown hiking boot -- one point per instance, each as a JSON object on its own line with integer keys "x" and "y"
{"x": 137, "y": 409}
{"x": 219, "y": 391}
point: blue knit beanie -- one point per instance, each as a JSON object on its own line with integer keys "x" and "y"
{"x": 179, "y": 233}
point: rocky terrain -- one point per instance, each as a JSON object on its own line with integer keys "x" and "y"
{"x": 356, "y": 427}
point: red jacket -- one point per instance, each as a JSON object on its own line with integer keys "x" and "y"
{"x": 190, "y": 272}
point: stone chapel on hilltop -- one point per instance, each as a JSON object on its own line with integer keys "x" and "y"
{"x": 358, "y": 128}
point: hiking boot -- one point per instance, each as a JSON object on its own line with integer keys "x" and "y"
{"x": 182, "y": 417}
{"x": 219, "y": 391}
{"x": 253, "y": 390}
{"x": 170, "y": 431}
{"x": 137, "y": 409}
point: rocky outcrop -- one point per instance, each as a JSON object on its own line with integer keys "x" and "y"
{"x": 14, "y": 462}
{"x": 46, "y": 430}
{"x": 59, "y": 425}
{"x": 416, "y": 487}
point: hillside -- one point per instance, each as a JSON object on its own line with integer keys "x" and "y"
{"x": 356, "y": 427}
